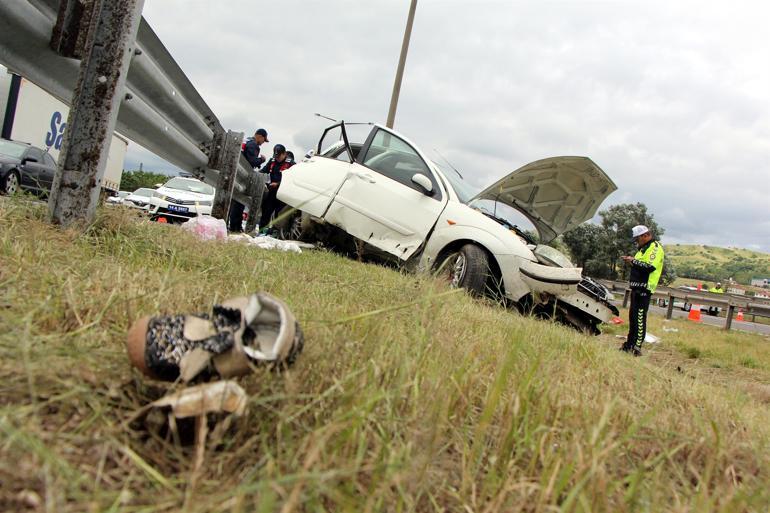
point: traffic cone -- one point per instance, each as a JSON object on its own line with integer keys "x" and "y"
{"x": 694, "y": 313}
{"x": 739, "y": 317}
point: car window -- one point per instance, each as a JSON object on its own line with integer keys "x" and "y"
{"x": 184, "y": 184}
{"x": 393, "y": 157}
{"x": 49, "y": 161}
{"x": 12, "y": 149}
{"x": 34, "y": 153}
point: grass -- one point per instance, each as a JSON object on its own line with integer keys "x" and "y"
{"x": 405, "y": 399}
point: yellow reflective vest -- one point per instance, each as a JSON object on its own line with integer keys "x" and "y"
{"x": 647, "y": 266}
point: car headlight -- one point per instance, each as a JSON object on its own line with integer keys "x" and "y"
{"x": 204, "y": 203}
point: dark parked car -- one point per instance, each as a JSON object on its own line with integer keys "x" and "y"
{"x": 25, "y": 167}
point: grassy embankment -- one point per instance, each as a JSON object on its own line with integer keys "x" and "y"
{"x": 405, "y": 399}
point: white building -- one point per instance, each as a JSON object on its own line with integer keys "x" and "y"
{"x": 33, "y": 116}
{"x": 760, "y": 282}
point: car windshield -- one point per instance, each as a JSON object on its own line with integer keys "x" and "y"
{"x": 185, "y": 184}
{"x": 143, "y": 192}
{"x": 463, "y": 189}
{"x": 12, "y": 149}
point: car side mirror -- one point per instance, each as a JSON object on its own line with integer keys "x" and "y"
{"x": 424, "y": 183}
{"x": 157, "y": 185}
{"x": 310, "y": 154}
{"x": 28, "y": 160}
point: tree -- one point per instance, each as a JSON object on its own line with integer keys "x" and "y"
{"x": 132, "y": 180}
{"x": 598, "y": 248}
{"x": 583, "y": 243}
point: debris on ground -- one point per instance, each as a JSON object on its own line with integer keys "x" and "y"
{"x": 206, "y": 228}
{"x": 267, "y": 242}
{"x": 651, "y": 339}
{"x": 217, "y": 397}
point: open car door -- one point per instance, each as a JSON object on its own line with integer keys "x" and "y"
{"x": 390, "y": 198}
{"x": 311, "y": 185}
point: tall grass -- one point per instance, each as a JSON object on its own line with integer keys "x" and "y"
{"x": 408, "y": 397}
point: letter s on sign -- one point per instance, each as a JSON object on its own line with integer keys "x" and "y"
{"x": 50, "y": 137}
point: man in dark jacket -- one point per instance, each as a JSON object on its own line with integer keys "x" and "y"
{"x": 274, "y": 167}
{"x": 250, "y": 150}
{"x": 646, "y": 268}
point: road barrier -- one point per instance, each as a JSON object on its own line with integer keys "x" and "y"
{"x": 729, "y": 302}
{"x": 159, "y": 108}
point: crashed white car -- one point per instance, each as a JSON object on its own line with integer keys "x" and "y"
{"x": 398, "y": 204}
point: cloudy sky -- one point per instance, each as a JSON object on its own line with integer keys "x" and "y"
{"x": 671, "y": 99}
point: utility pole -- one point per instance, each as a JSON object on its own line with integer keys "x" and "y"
{"x": 401, "y": 63}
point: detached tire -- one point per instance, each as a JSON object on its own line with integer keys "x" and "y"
{"x": 467, "y": 268}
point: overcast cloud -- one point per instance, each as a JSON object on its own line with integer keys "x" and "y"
{"x": 671, "y": 99}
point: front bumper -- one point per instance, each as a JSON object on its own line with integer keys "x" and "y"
{"x": 162, "y": 208}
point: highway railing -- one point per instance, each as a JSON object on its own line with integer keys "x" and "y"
{"x": 755, "y": 307}
{"x": 42, "y": 40}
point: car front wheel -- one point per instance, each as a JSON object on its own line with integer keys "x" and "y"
{"x": 467, "y": 267}
{"x": 11, "y": 183}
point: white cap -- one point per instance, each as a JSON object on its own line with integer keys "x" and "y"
{"x": 638, "y": 230}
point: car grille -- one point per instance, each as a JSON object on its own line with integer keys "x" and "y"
{"x": 593, "y": 288}
{"x": 203, "y": 203}
{"x": 138, "y": 203}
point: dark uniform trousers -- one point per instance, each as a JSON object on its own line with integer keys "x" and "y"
{"x": 640, "y": 303}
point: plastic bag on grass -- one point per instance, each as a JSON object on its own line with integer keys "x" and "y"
{"x": 206, "y": 228}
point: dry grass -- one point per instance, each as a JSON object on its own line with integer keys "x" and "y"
{"x": 405, "y": 399}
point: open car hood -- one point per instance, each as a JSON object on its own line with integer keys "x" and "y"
{"x": 556, "y": 194}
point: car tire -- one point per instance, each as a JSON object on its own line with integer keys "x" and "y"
{"x": 11, "y": 183}
{"x": 467, "y": 268}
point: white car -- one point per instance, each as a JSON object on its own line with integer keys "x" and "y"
{"x": 118, "y": 198}
{"x": 140, "y": 198}
{"x": 180, "y": 198}
{"x": 398, "y": 204}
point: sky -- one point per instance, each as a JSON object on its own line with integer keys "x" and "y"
{"x": 670, "y": 99}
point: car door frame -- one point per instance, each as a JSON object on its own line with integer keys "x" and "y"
{"x": 31, "y": 169}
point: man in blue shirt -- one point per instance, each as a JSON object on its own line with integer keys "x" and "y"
{"x": 251, "y": 152}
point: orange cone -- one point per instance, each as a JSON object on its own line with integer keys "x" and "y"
{"x": 694, "y": 313}
{"x": 739, "y": 317}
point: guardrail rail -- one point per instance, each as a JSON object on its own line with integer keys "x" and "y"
{"x": 749, "y": 306}
{"x": 159, "y": 108}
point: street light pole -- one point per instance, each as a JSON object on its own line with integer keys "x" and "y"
{"x": 401, "y": 63}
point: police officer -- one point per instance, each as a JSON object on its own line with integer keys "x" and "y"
{"x": 250, "y": 150}
{"x": 646, "y": 267}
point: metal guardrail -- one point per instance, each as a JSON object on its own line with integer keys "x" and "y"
{"x": 161, "y": 109}
{"x": 730, "y": 302}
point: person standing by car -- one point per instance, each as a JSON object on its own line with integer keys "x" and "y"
{"x": 646, "y": 268}
{"x": 274, "y": 167}
{"x": 251, "y": 152}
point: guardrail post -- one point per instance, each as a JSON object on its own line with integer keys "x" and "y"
{"x": 91, "y": 122}
{"x": 255, "y": 191}
{"x": 670, "y": 308}
{"x": 225, "y": 153}
{"x": 729, "y": 319}
{"x": 626, "y": 297}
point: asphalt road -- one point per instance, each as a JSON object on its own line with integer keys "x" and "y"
{"x": 751, "y": 327}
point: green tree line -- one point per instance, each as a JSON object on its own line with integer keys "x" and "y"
{"x": 133, "y": 180}
{"x": 598, "y": 248}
